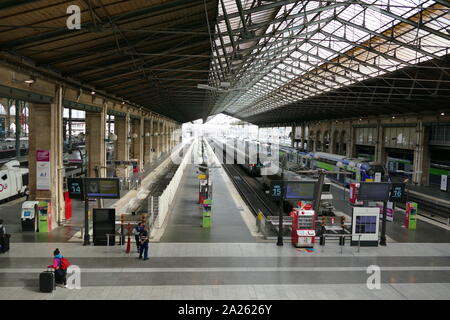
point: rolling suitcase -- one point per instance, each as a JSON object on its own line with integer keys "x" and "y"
{"x": 47, "y": 281}
{"x": 4, "y": 243}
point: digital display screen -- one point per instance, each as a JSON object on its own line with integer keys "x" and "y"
{"x": 373, "y": 191}
{"x": 26, "y": 213}
{"x": 326, "y": 187}
{"x": 397, "y": 192}
{"x": 366, "y": 224}
{"x": 300, "y": 190}
{"x": 75, "y": 187}
{"x": 102, "y": 188}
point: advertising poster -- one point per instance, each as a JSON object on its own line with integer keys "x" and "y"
{"x": 42, "y": 170}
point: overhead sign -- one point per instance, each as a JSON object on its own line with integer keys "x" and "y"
{"x": 76, "y": 190}
{"x": 102, "y": 188}
{"x": 277, "y": 189}
{"x": 301, "y": 190}
{"x": 398, "y": 192}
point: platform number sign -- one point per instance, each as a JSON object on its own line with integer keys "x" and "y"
{"x": 397, "y": 192}
{"x": 75, "y": 187}
{"x": 277, "y": 190}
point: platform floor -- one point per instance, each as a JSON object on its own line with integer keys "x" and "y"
{"x": 432, "y": 192}
{"x": 185, "y": 218}
{"x": 426, "y": 231}
{"x": 10, "y": 213}
{"x": 196, "y": 271}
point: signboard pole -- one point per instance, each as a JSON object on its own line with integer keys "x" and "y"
{"x": 86, "y": 222}
{"x": 383, "y": 225}
{"x": 280, "y": 226}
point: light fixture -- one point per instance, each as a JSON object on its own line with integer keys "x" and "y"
{"x": 147, "y": 134}
{"x": 92, "y": 92}
{"x": 134, "y": 135}
{"x": 442, "y": 113}
{"x": 29, "y": 81}
{"x": 393, "y": 117}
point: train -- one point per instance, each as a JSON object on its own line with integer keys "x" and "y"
{"x": 245, "y": 153}
{"x": 405, "y": 168}
{"x": 13, "y": 180}
{"x": 8, "y": 147}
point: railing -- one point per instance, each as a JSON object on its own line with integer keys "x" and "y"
{"x": 166, "y": 198}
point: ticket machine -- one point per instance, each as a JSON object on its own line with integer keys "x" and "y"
{"x": 28, "y": 215}
{"x": 303, "y": 233}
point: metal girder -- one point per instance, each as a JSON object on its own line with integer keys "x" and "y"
{"x": 407, "y": 21}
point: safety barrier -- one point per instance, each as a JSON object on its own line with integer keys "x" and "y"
{"x": 166, "y": 198}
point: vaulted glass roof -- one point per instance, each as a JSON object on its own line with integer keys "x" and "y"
{"x": 268, "y": 54}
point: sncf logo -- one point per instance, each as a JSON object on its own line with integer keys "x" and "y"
{"x": 3, "y": 187}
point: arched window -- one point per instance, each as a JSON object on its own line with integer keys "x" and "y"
{"x": 2, "y": 109}
{"x": 12, "y": 128}
{"x": 12, "y": 110}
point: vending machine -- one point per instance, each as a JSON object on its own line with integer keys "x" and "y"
{"x": 353, "y": 199}
{"x": 303, "y": 227}
{"x": 411, "y": 215}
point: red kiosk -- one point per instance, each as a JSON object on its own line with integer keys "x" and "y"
{"x": 303, "y": 233}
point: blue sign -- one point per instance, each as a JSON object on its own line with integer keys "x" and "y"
{"x": 277, "y": 189}
{"x": 398, "y": 192}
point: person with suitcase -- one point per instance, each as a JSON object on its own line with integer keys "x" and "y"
{"x": 60, "y": 265}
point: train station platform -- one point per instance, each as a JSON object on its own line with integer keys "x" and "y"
{"x": 184, "y": 223}
{"x": 231, "y": 271}
{"x": 70, "y": 229}
{"x": 431, "y": 192}
{"x": 427, "y": 231}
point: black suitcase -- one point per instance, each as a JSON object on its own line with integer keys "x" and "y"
{"x": 4, "y": 243}
{"x": 47, "y": 281}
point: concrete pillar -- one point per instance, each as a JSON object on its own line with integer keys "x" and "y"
{"x": 95, "y": 143}
{"x": 293, "y": 136}
{"x": 147, "y": 141}
{"x": 45, "y": 124}
{"x": 137, "y": 141}
{"x": 121, "y": 129}
{"x": 351, "y": 146}
{"x": 380, "y": 150}
{"x": 421, "y": 164}
{"x": 303, "y": 136}
{"x": 155, "y": 146}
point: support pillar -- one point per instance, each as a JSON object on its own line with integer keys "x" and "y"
{"x": 155, "y": 147}
{"x": 380, "y": 150}
{"x": 46, "y": 124}
{"x": 121, "y": 129}
{"x": 96, "y": 144}
{"x": 147, "y": 142}
{"x": 137, "y": 141}
{"x": 351, "y": 146}
{"x": 421, "y": 164}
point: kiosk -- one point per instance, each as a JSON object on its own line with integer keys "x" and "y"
{"x": 411, "y": 215}
{"x": 365, "y": 226}
{"x": 303, "y": 233}
{"x": 29, "y": 215}
{"x": 206, "y": 213}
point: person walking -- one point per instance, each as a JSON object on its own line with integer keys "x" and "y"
{"x": 144, "y": 238}
{"x": 136, "y": 231}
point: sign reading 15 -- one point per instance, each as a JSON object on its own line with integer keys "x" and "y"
{"x": 276, "y": 191}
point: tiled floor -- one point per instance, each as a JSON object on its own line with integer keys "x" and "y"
{"x": 233, "y": 271}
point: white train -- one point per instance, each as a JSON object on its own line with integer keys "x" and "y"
{"x": 13, "y": 180}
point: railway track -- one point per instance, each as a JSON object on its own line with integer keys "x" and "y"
{"x": 255, "y": 201}
{"x": 249, "y": 189}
